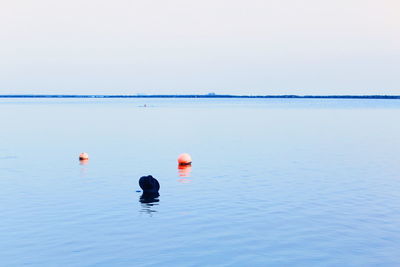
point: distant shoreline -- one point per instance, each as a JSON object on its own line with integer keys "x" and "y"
{"x": 209, "y": 96}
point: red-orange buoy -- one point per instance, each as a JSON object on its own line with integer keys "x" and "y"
{"x": 84, "y": 156}
{"x": 184, "y": 159}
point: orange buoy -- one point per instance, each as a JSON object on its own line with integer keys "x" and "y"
{"x": 84, "y": 156}
{"x": 184, "y": 159}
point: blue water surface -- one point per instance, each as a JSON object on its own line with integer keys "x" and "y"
{"x": 274, "y": 182}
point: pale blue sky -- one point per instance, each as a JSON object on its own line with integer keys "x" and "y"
{"x": 182, "y": 46}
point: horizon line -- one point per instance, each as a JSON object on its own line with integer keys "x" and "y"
{"x": 210, "y": 95}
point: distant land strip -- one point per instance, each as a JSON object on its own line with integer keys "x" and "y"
{"x": 208, "y": 96}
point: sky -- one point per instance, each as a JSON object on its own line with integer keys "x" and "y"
{"x": 248, "y": 47}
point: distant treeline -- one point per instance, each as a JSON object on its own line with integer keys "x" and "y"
{"x": 208, "y": 96}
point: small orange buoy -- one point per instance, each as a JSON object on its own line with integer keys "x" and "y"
{"x": 184, "y": 159}
{"x": 83, "y": 156}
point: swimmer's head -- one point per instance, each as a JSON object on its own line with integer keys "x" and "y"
{"x": 149, "y": 184}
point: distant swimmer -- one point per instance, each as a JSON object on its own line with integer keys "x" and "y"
{"x": 150, "y": 187}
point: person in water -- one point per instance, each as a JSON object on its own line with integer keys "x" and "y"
{"x": 150, "y": 187}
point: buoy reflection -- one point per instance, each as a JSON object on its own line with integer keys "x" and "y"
{"x": 83, "y": 162}
{"x": 83, "y": 169}
{"x": 184, "y": 173}
{"x": 184, "y": 170}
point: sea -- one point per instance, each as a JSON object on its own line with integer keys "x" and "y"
{"x": 274, "y": 182}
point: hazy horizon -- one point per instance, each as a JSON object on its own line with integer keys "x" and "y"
{"x": 201, "y": 94}
{"x": 255, "y": 47}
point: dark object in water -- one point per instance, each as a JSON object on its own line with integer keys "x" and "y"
{"x": 150, "y": 187}
{"x": 149, "y": 184}
{"x": 149, "y": 198}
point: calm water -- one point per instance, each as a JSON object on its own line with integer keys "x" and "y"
{"x": 274, "y": 182}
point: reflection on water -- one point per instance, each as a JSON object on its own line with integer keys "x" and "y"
{"x": 83, "y": 170}
{"x": 149, "y": 202}
{"x": 83, "y": 161}
{"x": 184, "y": 172}
{"x": 184, "y": 180}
